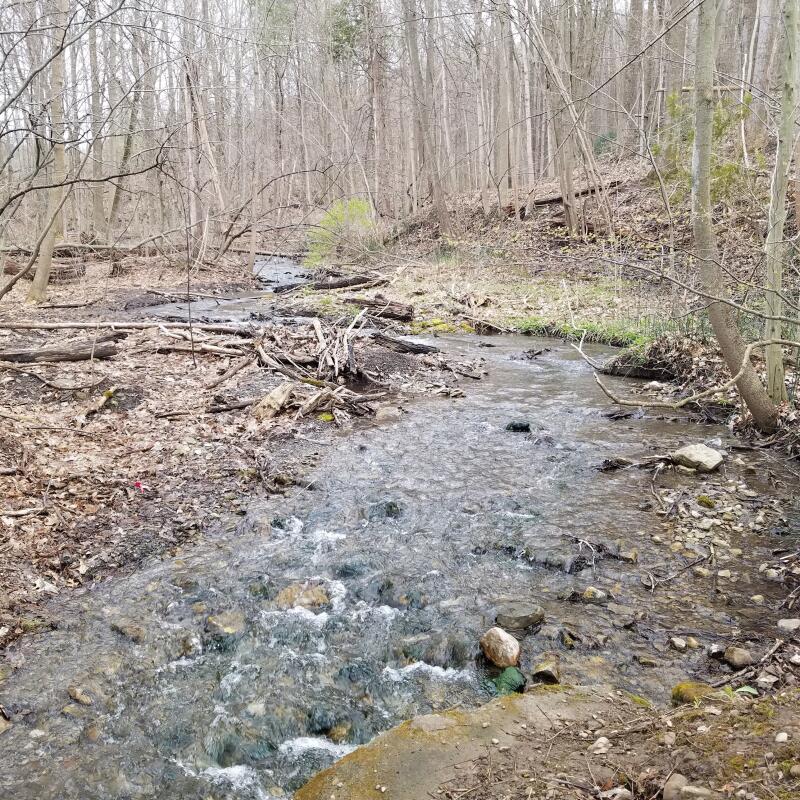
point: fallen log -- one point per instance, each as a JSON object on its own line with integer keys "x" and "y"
{"x": 402, "y": 345}
{"x": 236, "y": 330}
{"x": 347, "y": 281}
{"x": 381, "y": 307}
{"x": 625, "y": 366}
{"x": 559, "y": 198}
{"x": 59, "y": 273}
{"x": 84, "y": 350}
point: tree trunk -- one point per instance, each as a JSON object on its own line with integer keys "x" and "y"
{"x": 98, "y": 224}
{"x": 776, "y": 247}
{"x": 422, "y": 113}
{"x": 722, "y": 319}
{"x": 38, "y": 290}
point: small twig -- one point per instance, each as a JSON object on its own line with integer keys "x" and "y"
{"x": 230, "y": 372}
{"x": 48, "y": 383}
{"x": 23, "y": 512}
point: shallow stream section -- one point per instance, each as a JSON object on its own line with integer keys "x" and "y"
{"x": 255, "y": 658}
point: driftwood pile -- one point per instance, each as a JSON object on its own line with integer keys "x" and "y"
{"x": 317, "y": 361}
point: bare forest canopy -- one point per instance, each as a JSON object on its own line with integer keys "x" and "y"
{"x": 208, "y": 126}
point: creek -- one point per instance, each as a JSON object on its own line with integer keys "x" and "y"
{"x": 259, "y": 655}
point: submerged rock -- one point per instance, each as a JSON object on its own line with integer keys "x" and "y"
{"x": 388, "y": 413}
{"x": 698, "y": 456}
{"x": 519, "y": 616}
{"x": 501, "y": 648}
{"x": 389, "y": 509}
{"x": 302, "y": 595}
{"x": 519, "y": 426}
{"x": 130, "y": 630}
{"x": 80, "y": 695}
{"x": 226, "y": 624}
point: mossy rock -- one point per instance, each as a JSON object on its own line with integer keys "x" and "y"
{"x": 509, "y": 681}
{"x": 690, "y": 692}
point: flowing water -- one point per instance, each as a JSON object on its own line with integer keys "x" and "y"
{"x": 411, "y": 535}
{"x": 274, "y": 273}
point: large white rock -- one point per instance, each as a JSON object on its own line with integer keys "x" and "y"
{"x": 501, "y": 648}
{"x": 698, "y": 456}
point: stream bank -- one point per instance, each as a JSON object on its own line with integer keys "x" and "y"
{"x": 574, "y": 743}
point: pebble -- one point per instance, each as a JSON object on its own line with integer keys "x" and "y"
{"x": 738, "y": 657}
{"x": 495, "y": 741}
{"x": 789, "y": 625}
{"x": 617, "y": 793}
{"x": 782, "y": 737}
{"x": 758, "y": 599}
{"x": 692, "y": 643}
{"x": 600, "y": 747}
{"x": 795, "y": 771}
{"x": 673, "y": 786}
{"x": 594, "y": 595}
{"x": 499, "y": 647}
{"x": 677, "y": 643}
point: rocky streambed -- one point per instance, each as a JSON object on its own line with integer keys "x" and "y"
{"x": 244, "y": 664}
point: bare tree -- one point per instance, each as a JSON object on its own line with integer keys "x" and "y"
{"x": 60, "y": 21}
{"x": 776, "y": 246}
{"x": 721, "y": 315}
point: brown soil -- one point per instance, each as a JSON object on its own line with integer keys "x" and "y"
{"x": 725, "y": 746}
